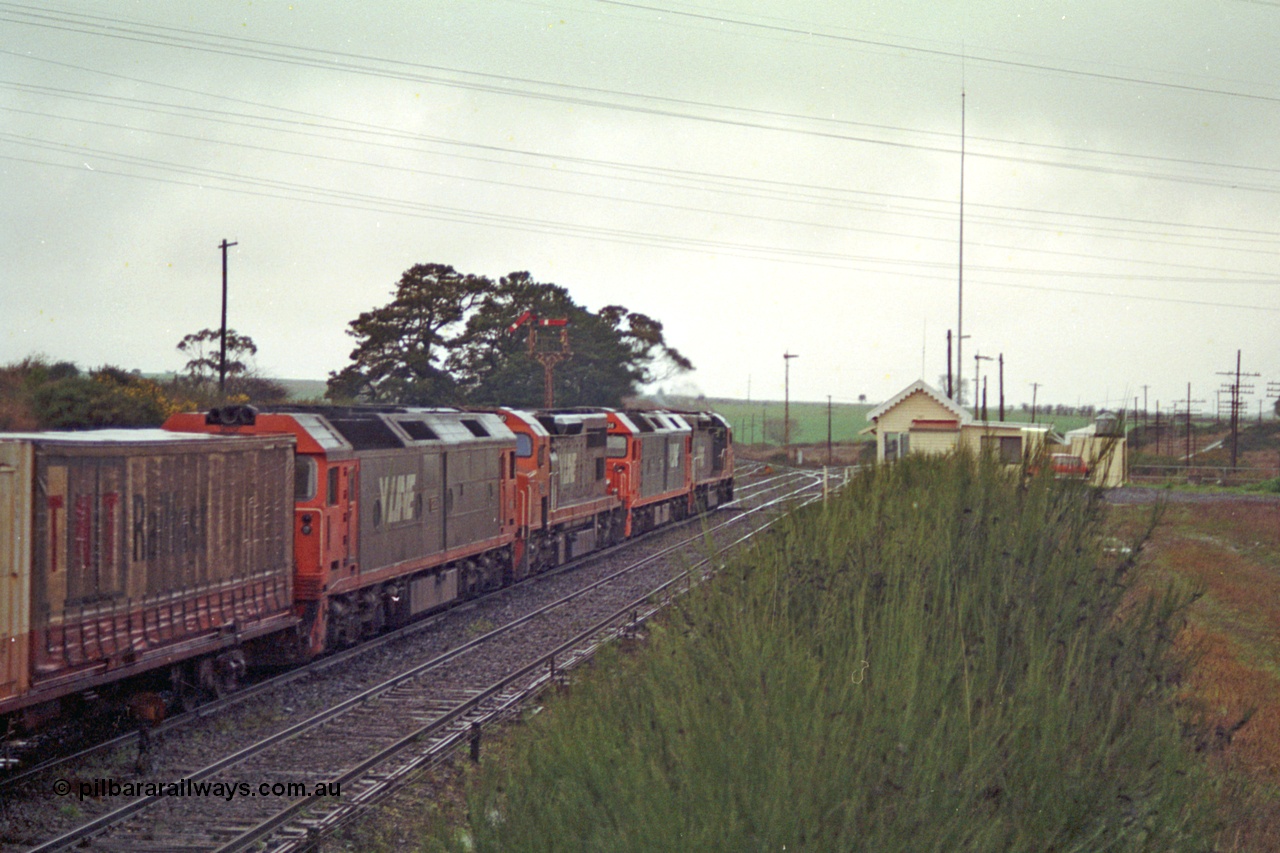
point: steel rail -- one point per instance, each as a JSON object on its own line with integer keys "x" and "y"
{"x": 446, "y": 741}
{"x": 207, "y": 709}
{"x": 126, "y": 811}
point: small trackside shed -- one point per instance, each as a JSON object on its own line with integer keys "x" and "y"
{"x": 918, "y": 419}
{"x": 921, "y": 419}
{"x": 1106, "y": 455}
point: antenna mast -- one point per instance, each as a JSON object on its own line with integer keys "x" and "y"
{"x": 960, "y": 294}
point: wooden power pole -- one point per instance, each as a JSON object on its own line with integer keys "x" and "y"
{"x": 222, "y": 348}
{"x": 786, "y": 404}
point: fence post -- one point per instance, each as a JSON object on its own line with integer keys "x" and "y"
{"x": 475, "y": 743}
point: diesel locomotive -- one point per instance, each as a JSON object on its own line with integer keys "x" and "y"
{"x": 172, "y": 559}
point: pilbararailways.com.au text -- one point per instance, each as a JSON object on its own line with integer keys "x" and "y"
{"x": 98, "y": 788}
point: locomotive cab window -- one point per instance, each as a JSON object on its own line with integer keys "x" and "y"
{"x": 616, "y": 448}
{"x": 304, "y": 478}
{"x": 524, "y": 446}
{"x": 333, "y": 487}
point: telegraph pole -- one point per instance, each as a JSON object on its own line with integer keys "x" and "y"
{"x": 828, "y": 429}
{"x": 786, "y": 404}
{"x": 1035, "y": 386}
{"x": 1189, "y": 403}
{"x": 1235, "y": 390}
{"x": 960, "y": 286}
{"x": 1188, "y": 424}
{"x": 222, "y": 349}
{"x": 950, "y": 391}
{"x": 977, "y": 359}
{"x": 1001, "y": 386}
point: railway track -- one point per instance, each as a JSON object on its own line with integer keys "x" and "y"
{"x": 13, "y": 778}
{"x": 368, "y": 742}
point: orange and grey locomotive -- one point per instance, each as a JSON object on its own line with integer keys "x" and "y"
{"x": 169, "y": 560}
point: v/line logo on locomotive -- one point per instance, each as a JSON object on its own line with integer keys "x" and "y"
{"x": 395, "y": 499}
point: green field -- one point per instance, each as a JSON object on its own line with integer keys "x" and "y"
{"x": 304, "y": 389}
{"x": 809, "y": 420}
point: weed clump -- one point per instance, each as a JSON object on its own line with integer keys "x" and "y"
{"x": 945, "y": 657}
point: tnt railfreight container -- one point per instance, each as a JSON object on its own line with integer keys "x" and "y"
{"x": 124, "y": 551}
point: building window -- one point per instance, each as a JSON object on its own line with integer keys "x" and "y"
{"x": 1007, "y": 448}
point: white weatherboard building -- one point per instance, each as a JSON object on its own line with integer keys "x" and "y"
{"x": 921, "y": 419}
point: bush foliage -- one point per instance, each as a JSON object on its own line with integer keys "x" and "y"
{"x": 944, "y": 658}
{"x": 36, "y": 394}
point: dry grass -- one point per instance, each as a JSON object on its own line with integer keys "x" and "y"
{"x": 1231, "y": 693}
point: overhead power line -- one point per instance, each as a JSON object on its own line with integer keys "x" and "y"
{"x": 582, "y": 95}
{"x": 325, "y": 127}
{"x": 357, "y": 201}
{"x": 966, "y": 56}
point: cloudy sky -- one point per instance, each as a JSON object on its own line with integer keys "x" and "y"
{"x": 763, "y": 177}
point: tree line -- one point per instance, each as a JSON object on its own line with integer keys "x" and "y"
{"x": 445, "y": 338}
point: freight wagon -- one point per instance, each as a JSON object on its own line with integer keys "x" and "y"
{"x": 138, "y": 552}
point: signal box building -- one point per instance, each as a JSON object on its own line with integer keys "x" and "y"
{"x": 921, "y": 419}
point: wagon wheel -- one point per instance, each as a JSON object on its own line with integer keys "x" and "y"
{"x": 186, "y": 693}
{"x": 221, "y": 675}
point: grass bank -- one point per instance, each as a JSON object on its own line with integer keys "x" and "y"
{"x": 941, "y": 660}
{"x": 1231, "y": 698}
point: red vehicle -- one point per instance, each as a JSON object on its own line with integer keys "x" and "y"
{"x": 1068, "y": 466}
{"x": 396, "y": 511}
{"x": 711, "y": 458}
{"x": 648, "y": 467}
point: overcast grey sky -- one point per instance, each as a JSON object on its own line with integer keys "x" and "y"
{"x": 760, "y": 176}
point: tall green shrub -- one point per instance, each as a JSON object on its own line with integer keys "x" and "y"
{"x": 943, "y": 658}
